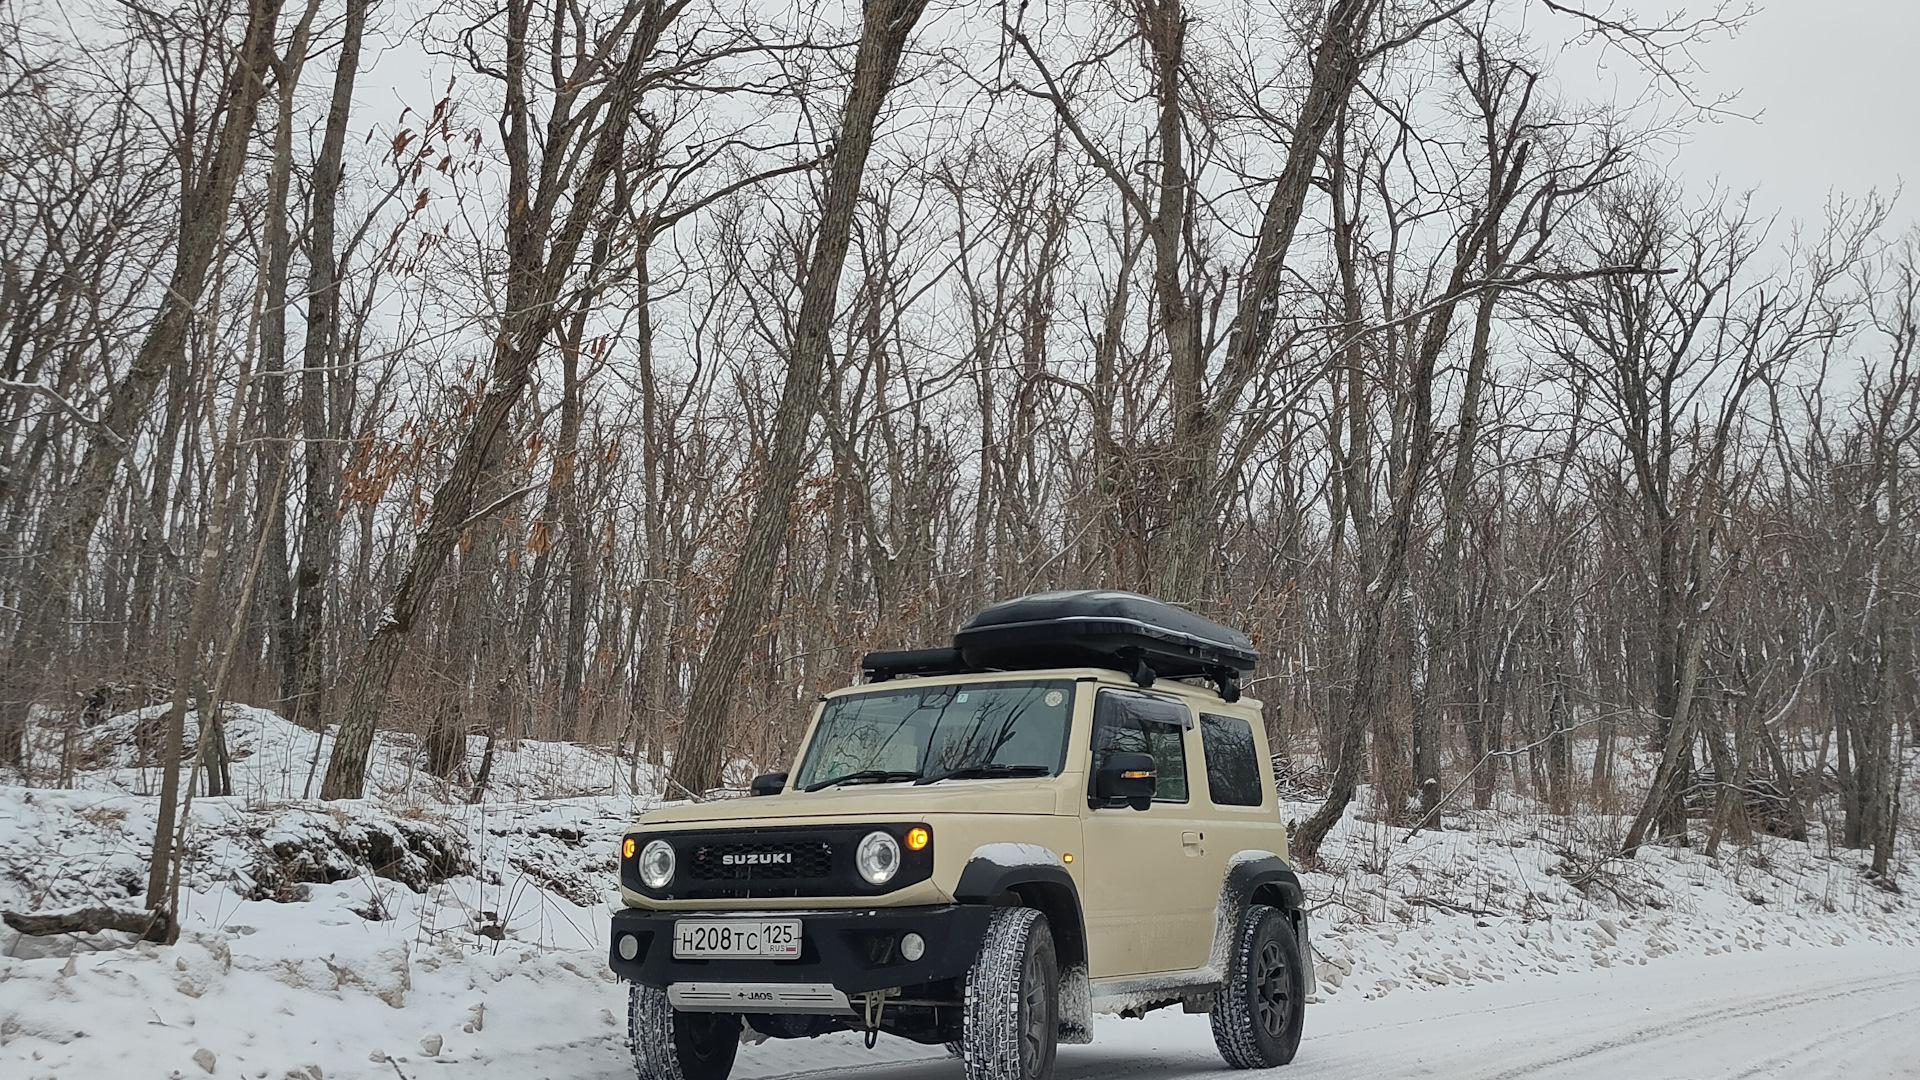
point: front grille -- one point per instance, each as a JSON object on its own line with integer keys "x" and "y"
{"x": 761, "y": 862}
{"x": 778, "y": 861}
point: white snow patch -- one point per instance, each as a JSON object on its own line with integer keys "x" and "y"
{"x": 1239, "y": 858}
{"x": 1011, "y": 855}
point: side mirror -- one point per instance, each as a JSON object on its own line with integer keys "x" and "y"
{"x": 772, "y": 783}
{"x": 1125, "y": 778}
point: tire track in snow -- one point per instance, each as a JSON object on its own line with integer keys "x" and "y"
{"x": 1795, "y": 1057}
{"x": 1638, "y": 1038}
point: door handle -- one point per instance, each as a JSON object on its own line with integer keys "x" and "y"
{"x": 1193, "y": 843}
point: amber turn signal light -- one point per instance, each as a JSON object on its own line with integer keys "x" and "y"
{"x": 1138, "y": 774}
{"x": 626, "y": 848}
{"x": 918, "y": 839}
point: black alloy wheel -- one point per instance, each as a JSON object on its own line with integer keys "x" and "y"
{"x": 1039, "y": 1028}
{"x": 1271, "y": 973}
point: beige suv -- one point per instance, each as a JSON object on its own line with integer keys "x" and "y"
{"x": 982, "y": 847}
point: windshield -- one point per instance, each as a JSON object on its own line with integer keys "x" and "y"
{"x": 927, "y": 732}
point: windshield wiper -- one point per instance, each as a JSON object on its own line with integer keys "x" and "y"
{"x": 878, "y": 776}
{"x": 982, "y": 772}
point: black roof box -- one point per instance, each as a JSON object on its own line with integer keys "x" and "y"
{"x": 1098, "y": 627}
{"x": 1102, "y": 628}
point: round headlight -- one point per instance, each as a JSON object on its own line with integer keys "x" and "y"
{"x": 878, "y": 858}
{"x": 656, "y": 864}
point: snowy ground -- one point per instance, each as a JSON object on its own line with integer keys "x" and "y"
{"x": 416, "y": 937}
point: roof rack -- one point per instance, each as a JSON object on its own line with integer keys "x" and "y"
{"x": 881, "y": 666}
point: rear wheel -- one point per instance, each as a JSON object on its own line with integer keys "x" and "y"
{"x": 1257, "y": 1016}
{"x": 1011, "y": 1022}
{"x": 672, "y": 1045}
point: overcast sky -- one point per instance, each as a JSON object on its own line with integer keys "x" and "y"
{"x": 1836, "y": 86}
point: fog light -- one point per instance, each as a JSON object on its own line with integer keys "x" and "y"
{"x": 912, "y": 947}
{"x": 629, "y": 946}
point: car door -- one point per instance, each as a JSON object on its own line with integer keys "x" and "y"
{"x": 1150, "y": 886}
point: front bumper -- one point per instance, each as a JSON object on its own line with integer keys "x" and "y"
{"x": 853, "y": 951}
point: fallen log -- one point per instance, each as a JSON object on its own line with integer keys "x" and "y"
{"x": 149, "y": 925}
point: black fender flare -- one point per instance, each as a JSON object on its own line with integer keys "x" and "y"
{"x": 1266, "y": 881}
{"x": 1037, "y": 885}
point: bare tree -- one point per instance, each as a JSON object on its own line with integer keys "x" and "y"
{"x": 550, "y": 210}
{"x": 208, "y": 176}
{"x": 1676, "y": 361}
{"x": 885, "y": 27}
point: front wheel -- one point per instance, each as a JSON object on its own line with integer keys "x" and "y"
{"x": 1257, "y": 1016}
{"x": 1011, "y": 1023}
{"x": 672, "y": 1045}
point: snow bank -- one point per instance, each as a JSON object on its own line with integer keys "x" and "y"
{"x": 274, "y": 760}
{"x": 319, "y": 939}
{"x": 1512, "y": 891}
{"x": 482, "y": 935}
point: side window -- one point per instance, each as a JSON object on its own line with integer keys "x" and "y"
{"x": 1233, "y": 767}
{"x": 1135, "y": 723}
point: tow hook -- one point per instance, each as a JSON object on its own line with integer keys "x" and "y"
{"x": 873, "y": 1006}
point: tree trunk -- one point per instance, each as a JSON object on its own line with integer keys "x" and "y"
{"x": 573, "y": 524}
{"x": 325, "y": 394}
{"x": 277, "y": 596}
{"x": 1669, "y": 777}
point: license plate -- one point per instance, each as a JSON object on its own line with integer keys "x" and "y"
{"x": 764, "y": 939}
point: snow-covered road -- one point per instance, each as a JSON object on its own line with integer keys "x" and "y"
{"x": 1850, "y": 1012}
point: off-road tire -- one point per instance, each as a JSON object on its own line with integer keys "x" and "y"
{"x": 673, "y": 1045}
{"x": 1011, "y": 1020}
{"x": 1258, "y": 1014}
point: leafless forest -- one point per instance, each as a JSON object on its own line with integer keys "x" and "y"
{"x": 620, "y": 370}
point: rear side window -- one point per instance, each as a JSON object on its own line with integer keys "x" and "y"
{"x": 1136, "y": 724}
{"x": 1233, "y": 766}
